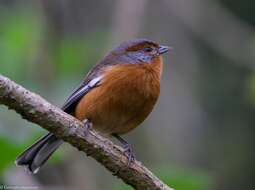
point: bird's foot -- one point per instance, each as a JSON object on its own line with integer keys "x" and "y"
{"x": 87, "y": 125}
{"x": 128, "y": 150}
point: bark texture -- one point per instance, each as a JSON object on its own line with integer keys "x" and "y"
{"x": 37, "y": 110}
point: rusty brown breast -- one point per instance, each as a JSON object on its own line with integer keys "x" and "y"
{"x": 125, "y": 97}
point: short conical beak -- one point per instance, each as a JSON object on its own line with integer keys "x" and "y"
{"x": 163, "y": 49}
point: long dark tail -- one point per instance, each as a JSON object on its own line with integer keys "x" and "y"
{"x": 37, "y": 154}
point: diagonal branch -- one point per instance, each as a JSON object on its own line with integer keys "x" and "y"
{"x": 35, "y": 109}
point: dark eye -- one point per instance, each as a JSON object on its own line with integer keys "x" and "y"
{"x": 148, "y": 49}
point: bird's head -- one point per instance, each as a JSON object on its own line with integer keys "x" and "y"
{"x": 137, "y": 51}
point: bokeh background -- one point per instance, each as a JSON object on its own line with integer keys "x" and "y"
{"x": 200, "y": 135}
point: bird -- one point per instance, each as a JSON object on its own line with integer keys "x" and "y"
{"x": 116, "y": 96}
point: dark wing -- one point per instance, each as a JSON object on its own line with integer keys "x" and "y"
{"x": 92, "y": 80}
{"x": 78, "y": 93}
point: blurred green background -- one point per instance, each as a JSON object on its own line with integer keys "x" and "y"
{"x": 201, "y": 133}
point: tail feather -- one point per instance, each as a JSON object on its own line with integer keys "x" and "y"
{"x": 36, "y": 155}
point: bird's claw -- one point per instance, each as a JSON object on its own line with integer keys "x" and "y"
{"x": 87, "y": 126}
{"x": 128, "y": 150}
